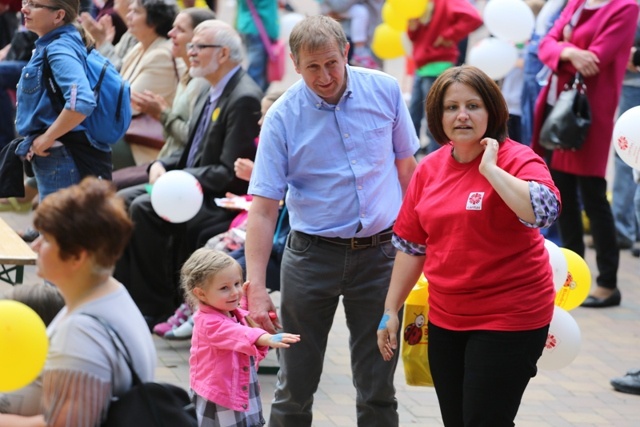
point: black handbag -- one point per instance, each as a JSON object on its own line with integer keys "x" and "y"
{"x": 147, "y": 404}
{"x": 568, "y": 123}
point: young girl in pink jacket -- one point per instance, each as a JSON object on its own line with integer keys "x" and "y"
{"x": 225, "y": 350}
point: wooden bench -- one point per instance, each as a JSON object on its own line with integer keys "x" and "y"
{"x": 15, "y": 253}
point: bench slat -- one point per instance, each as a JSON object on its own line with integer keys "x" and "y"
{"x": 14, "y": 250}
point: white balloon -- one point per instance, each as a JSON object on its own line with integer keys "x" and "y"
{"x": 510, "y": 20}
{"x": 176, "y": 196}
{"x": 558, "y": 264}
{"x": 563, "y": 341}
{"x": 626, "y": 137}
{"x": 494, "y": 56}
{"x": 287, "y": 22}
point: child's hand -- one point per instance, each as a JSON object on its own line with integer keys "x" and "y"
{"x": 282, "y": 340}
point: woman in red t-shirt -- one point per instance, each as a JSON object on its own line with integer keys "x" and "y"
{"x": 469, "y": 222}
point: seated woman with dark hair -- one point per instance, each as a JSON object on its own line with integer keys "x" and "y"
{"x": 150, "y": 64}
{"x": 83, "y": 230}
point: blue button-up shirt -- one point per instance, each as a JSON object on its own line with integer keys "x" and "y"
{"x": 35, "y": 111}
{"x": 336, "y": 163}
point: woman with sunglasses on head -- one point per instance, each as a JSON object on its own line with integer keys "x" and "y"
{"x": 56, "y": 142}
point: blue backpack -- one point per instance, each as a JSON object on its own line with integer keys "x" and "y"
{"x": 111, "y": 118}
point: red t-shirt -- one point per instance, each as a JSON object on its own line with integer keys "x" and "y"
{"x": 486, "y": 269}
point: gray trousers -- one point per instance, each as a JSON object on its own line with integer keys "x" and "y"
{"x": 314, "y": 274}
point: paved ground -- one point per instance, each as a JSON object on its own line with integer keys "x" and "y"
{"x": 578, "y": 395}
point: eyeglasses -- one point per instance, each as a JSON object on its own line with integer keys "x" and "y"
{"x": 198, "y": 47}
{"x": 32, "y": 5}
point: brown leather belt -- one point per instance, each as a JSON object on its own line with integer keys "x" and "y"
{"x": 359, "y": 242}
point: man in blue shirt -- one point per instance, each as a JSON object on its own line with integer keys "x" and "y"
{"x": 340, "y": 144}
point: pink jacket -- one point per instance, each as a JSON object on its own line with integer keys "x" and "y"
{"x": 219, "y": 361}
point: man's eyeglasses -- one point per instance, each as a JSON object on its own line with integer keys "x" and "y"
{"x": 32, "y": 5}
{"x": 198, "y": 47}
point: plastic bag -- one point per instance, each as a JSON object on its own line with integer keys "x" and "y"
{"x": 415, "y": 337}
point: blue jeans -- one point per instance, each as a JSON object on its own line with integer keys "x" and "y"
{"x": 9, "y": 77}
{"x": 315, "y": 274}
{"x": 257, "y": 56}
{"x": 55, "y": 171}
{"x": 530, "y": 89}
{"x": 421, "y": 87}
{"x": 624, "y": 187}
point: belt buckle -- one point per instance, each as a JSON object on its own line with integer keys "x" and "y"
{"x": 373, "y": 241}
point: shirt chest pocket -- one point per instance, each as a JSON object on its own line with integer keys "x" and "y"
{"x": 378, "y": 144}
{"x": 30, "y": 80}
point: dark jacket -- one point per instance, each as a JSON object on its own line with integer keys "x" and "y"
{"x": 229, "y": 137}
{"x": 11, "y": 171}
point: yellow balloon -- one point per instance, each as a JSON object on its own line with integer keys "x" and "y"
{"x": 23, "y": 345}
{"x": 393, "y": 18}
{"x": 578, "y": 284}
{"x": 409, "y": 9}
{"x": 387, "y": 42}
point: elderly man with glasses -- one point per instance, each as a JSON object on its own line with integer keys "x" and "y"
{"x": 224, "y": 127}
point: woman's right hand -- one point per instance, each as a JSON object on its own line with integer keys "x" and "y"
{"x": 149, "y": 103}
{"x": 584, "y": 61}
{"x": 93, "y": 27}
{"x": 387, "y": 332}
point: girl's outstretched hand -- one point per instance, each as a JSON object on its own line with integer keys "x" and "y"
{"x": 282, "y": 340}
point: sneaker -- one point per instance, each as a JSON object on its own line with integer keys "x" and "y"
{"x": 182, "y": 332}
{"x": 365, "y": 61}
{"x": 29, "y": 235}
{"x": 181, "y": 315}
{"x": 630, "y": 383}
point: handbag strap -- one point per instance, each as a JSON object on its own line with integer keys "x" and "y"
{"x": 577, "y": 83}
{"x": 261, "y": 30}
{"x": 120, "y": 349}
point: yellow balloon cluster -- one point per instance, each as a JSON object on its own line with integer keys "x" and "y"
{"x": 576, "y": 288}
{"x": 387, "y": 38}
{"x": 23, "y": 345}
{"x": 410, "y": 9}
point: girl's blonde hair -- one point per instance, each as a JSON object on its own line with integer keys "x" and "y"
{"x": 201, "y": 266}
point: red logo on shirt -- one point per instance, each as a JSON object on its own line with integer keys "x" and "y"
{"x": 474, "y": 202}
{"x": 623, "y": 143}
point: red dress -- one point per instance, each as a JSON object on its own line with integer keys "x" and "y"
{"x": 607, "y": 31}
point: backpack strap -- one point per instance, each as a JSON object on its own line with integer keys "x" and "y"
{"x": 54, "y": 91}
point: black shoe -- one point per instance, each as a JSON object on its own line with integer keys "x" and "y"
{"x": 29, "y": 235}
{"x": 630, "y": 383}
{"x": 623, "y": 242}
{"x": 611, "y": 301}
